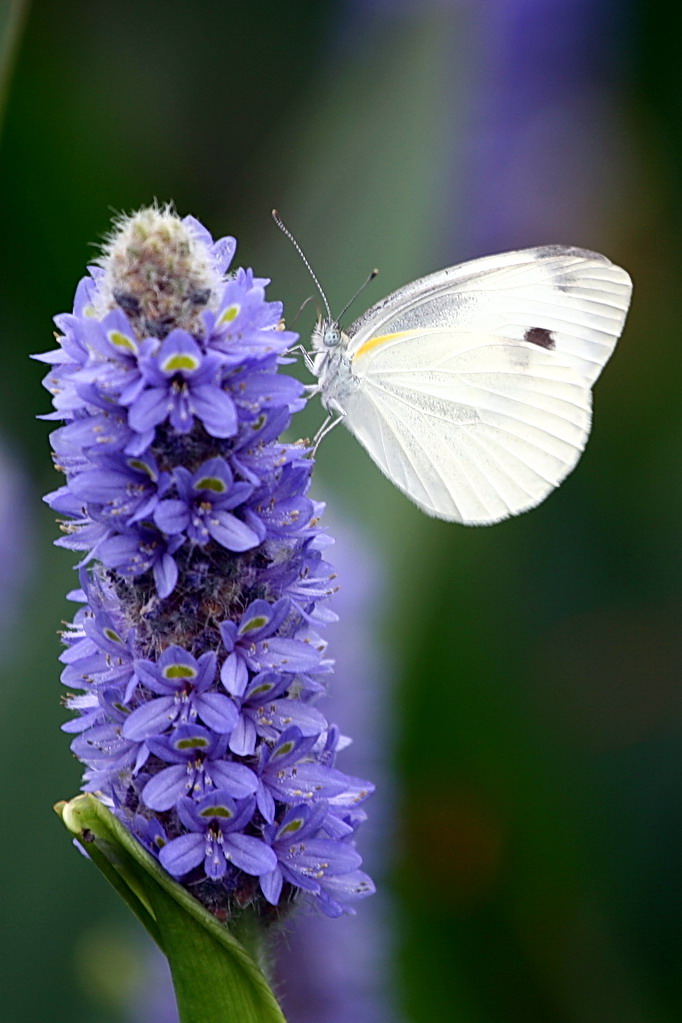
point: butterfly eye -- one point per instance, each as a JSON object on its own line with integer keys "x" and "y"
{"x": 332, "y": 337}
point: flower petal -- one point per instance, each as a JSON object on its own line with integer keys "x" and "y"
{"x": 250, "y": 854}
{"x": 217, "y": 711}
{"x": 163, "y": 790}
{"x": 231, "y": 533}
{"x": 181, "y": 854}
{"x": 151, "y": 718}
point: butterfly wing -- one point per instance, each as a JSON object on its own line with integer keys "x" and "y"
{"x": 571, "y": 301}
{"x": 470, "y": 428}
{"x": 473, "y": 391}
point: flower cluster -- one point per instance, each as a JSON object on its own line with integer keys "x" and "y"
{"x": 194, "y": 655}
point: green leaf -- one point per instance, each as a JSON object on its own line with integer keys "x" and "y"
{"x": 13, "y": 15}
{"x": 216, "y": 980}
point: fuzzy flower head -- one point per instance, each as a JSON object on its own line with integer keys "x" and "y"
{"x": 194, "y": 661}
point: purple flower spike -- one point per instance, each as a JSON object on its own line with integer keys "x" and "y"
{"x": 193, "y": 661}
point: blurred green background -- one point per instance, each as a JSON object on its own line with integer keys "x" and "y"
{"x": 536, "y": 691}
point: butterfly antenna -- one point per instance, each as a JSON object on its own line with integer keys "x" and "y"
{"x": 362, "y": 287}
{"x": 285, "y": 230}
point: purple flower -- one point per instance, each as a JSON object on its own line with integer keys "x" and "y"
{"x": 328, "y": 970}
{"x": 326, "y": 868}
{"x": 214, "y": 836}
{"x": 198, "y": 765}
{"x": 183, "y": 685}
{"x": 193, "y": 662}
{"x": 253, "y": 647}
{"x": 202, "y": 510}
{"x": 289, "y": 775}
{"x": 239, "y": 327}
{"x": 182, "y": 382}
{"x": 104, "y": 749}
{"x": 141, "y": 551}
{"x": 267, "y": 709}
{"x": 114, "y": 354}
{"x": 122, "y": 490}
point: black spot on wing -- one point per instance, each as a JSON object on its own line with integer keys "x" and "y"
{"x": 539, "y": 336}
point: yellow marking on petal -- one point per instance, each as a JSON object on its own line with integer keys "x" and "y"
{"x": 179, "y": 361}
{"x": 122, "y": 340}
{"x": 375, "y": 342}
{"x": 254, "y": 623}
{"x": 197, "y": 742}
{"x": 210, "y": 483}
{"x": 260, "y": 690}
{"x": 287, "y": 747}
{"x": 216, "y": 811}
{"x": 179, "y": 671}
{"x": 137, "y": 463}
{"x": 292, "y": 827}
{"x": 230, "y": 314}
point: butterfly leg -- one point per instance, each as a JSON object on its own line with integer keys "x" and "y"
{"x": 332, "y": 420}
{"x": 307, "y": 357}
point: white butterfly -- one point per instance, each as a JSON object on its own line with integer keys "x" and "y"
{"x": 471, "y": 388}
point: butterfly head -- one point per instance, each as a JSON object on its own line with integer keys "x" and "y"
{"x": 331, "y": 334}
{"x": 326, "y": 335}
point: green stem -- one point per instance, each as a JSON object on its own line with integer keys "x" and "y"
{"x": 216, "y": 980}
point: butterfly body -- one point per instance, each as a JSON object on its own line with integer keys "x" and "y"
{"x": 471, "y": 388}
{"x": 333, "y": 366}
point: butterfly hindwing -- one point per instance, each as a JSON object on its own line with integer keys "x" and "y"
{"x": 471, "y": 428}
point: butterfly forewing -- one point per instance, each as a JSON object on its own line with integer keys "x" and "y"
{"x": 570, "y": 301}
